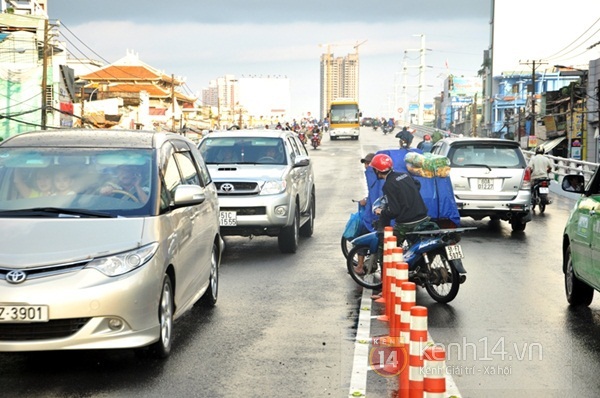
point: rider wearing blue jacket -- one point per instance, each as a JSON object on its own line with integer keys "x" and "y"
{"x": 404, "y": 202}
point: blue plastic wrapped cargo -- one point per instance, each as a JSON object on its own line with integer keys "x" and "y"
{"x": 437, "y": 192}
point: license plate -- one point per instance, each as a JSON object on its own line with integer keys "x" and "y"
{"x": 227, "y": 218}
{"x": 485, "y": 184}
{"x": 544, "y": 190}
{"x": 454, "y": 252}
{"x": 23, "y": 313}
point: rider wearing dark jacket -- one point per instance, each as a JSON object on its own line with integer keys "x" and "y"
{"x": 405, "y": 136}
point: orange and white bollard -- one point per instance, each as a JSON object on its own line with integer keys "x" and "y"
{"x": 409, "y": 294}
{"x": 418, "y": 339}
{"x": 386, "y": 285}
{"x": 434, "y": 372}
{"x": 397, "y": 257}
{"x": 380, "y": 298}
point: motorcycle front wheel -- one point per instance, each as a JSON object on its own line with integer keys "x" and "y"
{"x": 442, "y": 281}
{"x": 369, "y": 278}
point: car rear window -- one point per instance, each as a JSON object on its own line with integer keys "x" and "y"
{"x": 476, "y": 155}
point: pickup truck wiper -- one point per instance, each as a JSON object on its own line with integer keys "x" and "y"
{"x": 54, "y": 212}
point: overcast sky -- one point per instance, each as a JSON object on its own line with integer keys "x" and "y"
{"x": 203, "y": 40}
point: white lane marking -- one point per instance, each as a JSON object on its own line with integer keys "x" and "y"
{"x": 360, "y": 365}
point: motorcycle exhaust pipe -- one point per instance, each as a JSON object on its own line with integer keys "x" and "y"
{"x": 462, "y": 278}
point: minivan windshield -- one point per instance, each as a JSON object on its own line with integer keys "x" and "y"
{"x": 84, "y": 182}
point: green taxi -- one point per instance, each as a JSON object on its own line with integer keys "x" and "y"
{"x": 581, "y": 240}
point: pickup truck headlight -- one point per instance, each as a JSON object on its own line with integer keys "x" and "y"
{"x": 122, "y": 263}
{"x": 273, "y": 187}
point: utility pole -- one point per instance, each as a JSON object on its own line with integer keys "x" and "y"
{"x": 421, "y": 85}
{"x": 533, "y": 95}
{"x": 44, "y": 116}
{"x": 421, "y": 81}
{"x": 474, "y": 117}
{"x": 173, "y": 102}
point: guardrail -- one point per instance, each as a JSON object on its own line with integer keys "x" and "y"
{"x": 562, "y": 166}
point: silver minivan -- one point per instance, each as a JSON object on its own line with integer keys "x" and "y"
{"x": 490, "y": 178}
{"x": 108, "y": 236}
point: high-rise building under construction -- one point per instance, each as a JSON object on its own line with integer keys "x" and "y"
{"x": 339, "y": 79}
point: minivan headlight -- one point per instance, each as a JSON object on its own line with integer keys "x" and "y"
{"x": 122, "y": 263}
{"x": 273, "y": 187}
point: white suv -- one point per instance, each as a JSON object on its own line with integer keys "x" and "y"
{"x": 265, "y": 184}
{"x": 490, "y": 178}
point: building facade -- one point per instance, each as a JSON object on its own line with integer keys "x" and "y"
{"x": 339, "y": 78}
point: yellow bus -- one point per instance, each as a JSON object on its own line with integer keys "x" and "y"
{"x": 344, "y": 118}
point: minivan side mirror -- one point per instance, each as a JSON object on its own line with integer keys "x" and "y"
{"x": 573, "y": 183}
{"x": 187, "y": 195}
{"x": 301, "y": 161}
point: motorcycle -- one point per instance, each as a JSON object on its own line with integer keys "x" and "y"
{"x": 433, "y": 255}
{"x": 302, "y": 137}
{"x": 539, "y": 194}
{"x": 315, "y": 140}
{"x": 387, "y": 129}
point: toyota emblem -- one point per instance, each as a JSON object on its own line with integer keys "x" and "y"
{"x": 227, "y": 187}
{"x": 15, "y": 277}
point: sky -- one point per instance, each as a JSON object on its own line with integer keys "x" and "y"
{"x": 203, "y": 40}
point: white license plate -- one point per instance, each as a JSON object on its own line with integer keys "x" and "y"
{"x": 454, "y": 252}
{"x": 485, "y": 184}
{"x": 23, "y": 313}
{"x": 544, "y": 190}
{"x": 227, "y": 218}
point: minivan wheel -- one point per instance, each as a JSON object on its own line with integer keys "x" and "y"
{"x": 162, "y": 348}
{"x": 578, "y": 293}
{"x": 209, "y": 299}
{"x": 518, "y": 226}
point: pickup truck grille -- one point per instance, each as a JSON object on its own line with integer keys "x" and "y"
{"x": 237, "y": 188}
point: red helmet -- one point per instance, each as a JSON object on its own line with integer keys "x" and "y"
{"x": 382, "y": 163}
{"x": 426, "y": 137}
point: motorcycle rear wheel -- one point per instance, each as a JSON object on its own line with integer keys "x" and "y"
{"x": 346, "y": 247}
{"x": 443, "y": 280}
{"x": 543, "y": 202}
{"x": 370, "y": 280}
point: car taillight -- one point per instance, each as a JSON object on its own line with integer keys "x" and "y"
{"x": 526, "y": 183}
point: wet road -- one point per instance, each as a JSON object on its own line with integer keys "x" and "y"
{"x": 284, "y": 325}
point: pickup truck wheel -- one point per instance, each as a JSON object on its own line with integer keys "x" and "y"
{"x": 288, "y": 237}
{"x": 307, "y": 229}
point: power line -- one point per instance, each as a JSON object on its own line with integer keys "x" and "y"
{"x": 555, "y": 55}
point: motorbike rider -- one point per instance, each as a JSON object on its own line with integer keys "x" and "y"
{"x": 426, "y": 144}
{"x": 366, "y": 161}
{"x": 540, "y": 166}
{"x": 404, "y": 202}
{"x": 405, "y": 136}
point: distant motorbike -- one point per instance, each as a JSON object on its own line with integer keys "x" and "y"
{"x": 315, "y": 140}
{"x": 540, "y": 194}
{"x": 387, "y": 129}
{"x": 302, "y": 137}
